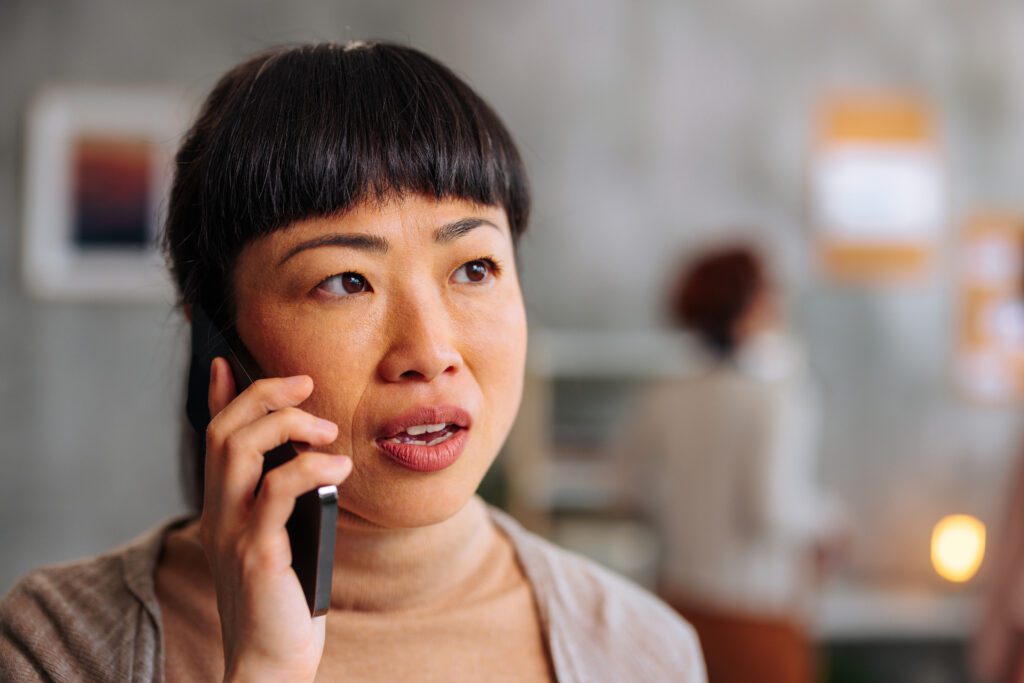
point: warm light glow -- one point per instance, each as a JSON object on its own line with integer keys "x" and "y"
{"x": 958, "y": 546}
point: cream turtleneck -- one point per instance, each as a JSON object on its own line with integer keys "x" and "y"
{"x": 447, "y": 602}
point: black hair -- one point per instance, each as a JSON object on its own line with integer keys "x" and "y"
{"x": 312, "y": 131}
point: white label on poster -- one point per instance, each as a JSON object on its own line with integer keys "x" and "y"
{"x": 879, "y": 193}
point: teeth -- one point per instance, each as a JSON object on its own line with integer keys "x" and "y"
{"x": 423, "y": 429}
{"x": 419, "y": 442}
{"x": 439, "y": 440}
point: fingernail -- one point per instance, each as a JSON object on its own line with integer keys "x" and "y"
{"x": 326, "y": 425}
{"x": 296, "y": 381}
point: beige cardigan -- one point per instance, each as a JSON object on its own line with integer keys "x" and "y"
{"x": 99, "y": 620}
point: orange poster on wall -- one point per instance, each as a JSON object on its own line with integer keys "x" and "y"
{"x": 877, "y": 188}
{"x": 990, "y": 340}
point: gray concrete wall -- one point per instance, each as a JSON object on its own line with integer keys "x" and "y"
{"x": 647, "y": 126}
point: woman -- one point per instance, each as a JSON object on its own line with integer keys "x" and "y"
{"x": 352, "y": 212}
{"x": 723, "y": 463}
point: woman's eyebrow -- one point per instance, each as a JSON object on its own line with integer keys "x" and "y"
{"x": 453, "y": 231}
{"x": 379, "y": 245}
{"x": 362, "y": 241}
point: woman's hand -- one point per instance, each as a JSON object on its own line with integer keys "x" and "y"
{"x": 267, "y": 630}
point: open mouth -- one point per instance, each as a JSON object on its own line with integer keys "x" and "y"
{"x": 426, "y": 439}
{"x": 426, "y": 435}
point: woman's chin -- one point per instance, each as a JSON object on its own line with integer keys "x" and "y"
{"x": 425, "y": 506}
{"x": 382, "y": 493}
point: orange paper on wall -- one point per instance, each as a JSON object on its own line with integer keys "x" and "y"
{"x": 990, "y": 339}
{"x": 877, "y": 188}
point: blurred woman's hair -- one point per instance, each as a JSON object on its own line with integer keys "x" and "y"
{"x": 714, "y": 291}
{"x": 311, "y": 131}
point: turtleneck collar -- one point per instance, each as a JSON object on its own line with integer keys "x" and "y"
{"x": 378, "y": 569}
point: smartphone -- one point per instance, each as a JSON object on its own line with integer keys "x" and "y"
{"x": 311, "y": 526}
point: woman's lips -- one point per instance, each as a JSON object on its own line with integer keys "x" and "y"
{"x": 423, "y": 458}
{"x": 426, "y": 451}
{"x": 425, "y": 415}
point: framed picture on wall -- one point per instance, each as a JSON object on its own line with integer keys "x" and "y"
{"x": 98, "y": 166}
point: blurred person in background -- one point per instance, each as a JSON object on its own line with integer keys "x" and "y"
{"x": 723, "y": 462}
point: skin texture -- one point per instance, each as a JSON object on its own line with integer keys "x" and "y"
{"x": 421, "y": 328}
{"x": 419, "y": 338}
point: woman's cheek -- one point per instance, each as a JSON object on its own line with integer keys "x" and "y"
{"x": 495, "y": 342}
{"x": 495, "y": 326}
{"x": 343, "y": 358}
{"x": 336, "y": 352}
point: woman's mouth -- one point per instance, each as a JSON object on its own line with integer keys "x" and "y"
{"x": 426, "y": 439}
{"x": 427, "y": 435}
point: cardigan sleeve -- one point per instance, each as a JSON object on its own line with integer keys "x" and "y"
{"x": 82, "y": 621}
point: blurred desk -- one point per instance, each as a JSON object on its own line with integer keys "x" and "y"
{"x": 853, "y": 612}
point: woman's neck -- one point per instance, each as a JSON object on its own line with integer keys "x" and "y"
{"x": 381, "y": 569}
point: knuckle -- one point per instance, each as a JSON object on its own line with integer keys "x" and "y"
{"x": 308, "y": 465}
{"x": 265, "y": 390}
{"x": 213, "y": 436}
{"x": 239, "y": 547}
{"x": 291, "y": 414}
{"x": 273, "y": 483}
{"x": 255, "y": 558}
{"x": 260, "y": 386}
{"x": 232, "y": 444}
{"x": 291, "y": 423}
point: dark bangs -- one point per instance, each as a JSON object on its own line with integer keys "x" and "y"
{"x": 313, "y": 131}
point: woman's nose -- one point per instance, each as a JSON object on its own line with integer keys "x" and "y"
{"x": 420, "y": 344}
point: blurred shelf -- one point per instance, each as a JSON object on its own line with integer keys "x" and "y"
{"x": 850, "y": 612}
{"x": 579, "y": 485}
{"x": 606, "y": 354}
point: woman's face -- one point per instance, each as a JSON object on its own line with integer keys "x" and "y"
{"x": 391, "y": 309}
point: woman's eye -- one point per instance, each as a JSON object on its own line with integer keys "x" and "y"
{"x": 345, "y": 284}
{"x": 474, "y": 271}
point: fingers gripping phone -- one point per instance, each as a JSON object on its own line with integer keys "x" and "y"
{"x": 311, "y": 526}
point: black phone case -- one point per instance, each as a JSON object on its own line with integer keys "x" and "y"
{"x": 311, "y": 527}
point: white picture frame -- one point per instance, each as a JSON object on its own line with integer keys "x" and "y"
{"x": 98, "y": 163}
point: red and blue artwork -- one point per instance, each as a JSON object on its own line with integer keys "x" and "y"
{"x": 113, "y": 187}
